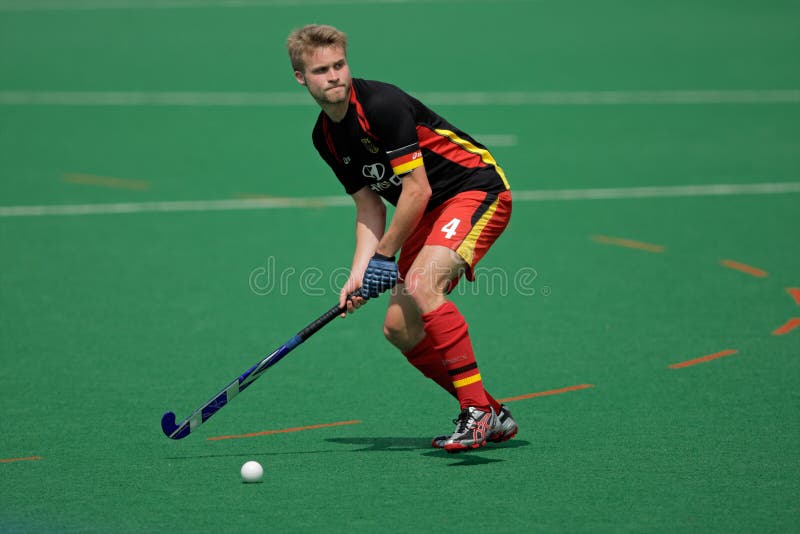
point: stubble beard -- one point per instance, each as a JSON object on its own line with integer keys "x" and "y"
{"x": 329, "y": 98}
{"x": 334, "y": 107}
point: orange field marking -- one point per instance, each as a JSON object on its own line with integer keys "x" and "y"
{"x": 790, "y": 325}
{"x": 28, "y": 459}
{"x": 747, "y": 269}
{"x": 795, "y": 294}
{"x": 627, "y": 243}
{"x": 104, "y": 181}
{"x": 285, "y": 430}
{"x": 703, "y": 359}
{"x": 546, "y": 393}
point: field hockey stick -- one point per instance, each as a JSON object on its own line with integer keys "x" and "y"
{"x": 202, "y": 414}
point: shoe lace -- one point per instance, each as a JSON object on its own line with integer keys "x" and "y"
{"x": 462, "y": 421}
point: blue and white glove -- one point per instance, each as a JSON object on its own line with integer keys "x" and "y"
{"x": 381, "y": 274}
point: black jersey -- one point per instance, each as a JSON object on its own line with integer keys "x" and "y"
{"x": 387, "y": 133}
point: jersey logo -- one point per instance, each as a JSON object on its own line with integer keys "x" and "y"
{"x": 346, "y": 160}
{"x": 371, "y": 147}
{"x": 374, "y": 171}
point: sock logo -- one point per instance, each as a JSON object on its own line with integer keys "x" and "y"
{"x": 455, "y": 359}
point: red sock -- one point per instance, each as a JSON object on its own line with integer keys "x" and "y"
{"x": 449, "y": 336}
{"x": 429, "y": 362}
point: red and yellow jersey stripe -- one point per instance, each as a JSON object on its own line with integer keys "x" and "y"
{"x": 451, "y": 146}
{"x": 407, "y": 162}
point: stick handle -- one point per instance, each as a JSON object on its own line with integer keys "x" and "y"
{"x": 180, "y": 430}
{"x": 322, "y": 320}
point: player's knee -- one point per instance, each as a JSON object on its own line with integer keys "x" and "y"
{"x": 401, "y": 335}
{"x": 424, "y": 291}
{"x": 394, "y": 331}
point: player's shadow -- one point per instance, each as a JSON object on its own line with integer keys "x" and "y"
{"x": 384, "y": 444}
{"x": 477, "y": 457}
{"x": 463, "y": 459}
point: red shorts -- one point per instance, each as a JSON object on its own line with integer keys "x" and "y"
{"x": 468, "y": 223}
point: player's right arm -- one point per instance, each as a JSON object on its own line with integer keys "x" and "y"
{"x": 370, "y": 227}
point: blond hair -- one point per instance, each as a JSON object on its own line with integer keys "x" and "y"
{"x": 303, "y": 40}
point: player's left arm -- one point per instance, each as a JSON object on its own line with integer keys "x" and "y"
{"x": 382, "y": 273}
{"x": 393, "y": 119}
{"x": 414, "y": 197}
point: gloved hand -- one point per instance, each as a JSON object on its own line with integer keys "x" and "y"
{"x": 381, "y": 274}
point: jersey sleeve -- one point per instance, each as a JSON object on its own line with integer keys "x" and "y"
{"x": 405, "y": 159}
{"x": 393, "y": 120}
{"x": 350, "y": 183}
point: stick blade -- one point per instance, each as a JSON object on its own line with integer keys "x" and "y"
{"x": 170, "y": 428}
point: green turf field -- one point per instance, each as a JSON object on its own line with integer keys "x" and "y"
{"x": 148, "y": 256}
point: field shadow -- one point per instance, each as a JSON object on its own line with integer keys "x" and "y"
{"x": 463, "y": 459}
{"x": 384, "y": 444}
{"x": 478, "y": 456}
{"x": 406, "y": 444}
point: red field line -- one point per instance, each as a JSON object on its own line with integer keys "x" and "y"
{"x": 795, "y": 294}
{"x": 702, "y": 359}
{"x": 28, "y": 459}
{"x": 627, "y": 243}
{"x": 546, "y": 393}
{"x": 285, "y": 430}
{"x": 790, "y": 325}
{"x": 747, "y": 269}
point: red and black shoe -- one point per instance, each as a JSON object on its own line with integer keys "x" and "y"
{"x": 506, "y": 429}
{"x": 473, "y": 428}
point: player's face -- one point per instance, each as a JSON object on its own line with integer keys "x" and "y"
{"x": 326, "y": 75}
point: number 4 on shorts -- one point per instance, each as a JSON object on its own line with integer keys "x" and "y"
{"x": 449, "y": 229}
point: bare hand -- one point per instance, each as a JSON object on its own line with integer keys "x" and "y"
{"x": 350, "y": 298}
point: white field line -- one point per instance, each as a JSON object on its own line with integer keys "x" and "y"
{"x": 613, "y": 98}
{"x": 191, "y": 99}
{"x": 175, "y": 206}
{"x": 86, "y": 5}
{"x": 344, "y": 201}
{"x": 494, "y": 140}
{"x": 486, "y": 98}
{"x": 656, "y": 192}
